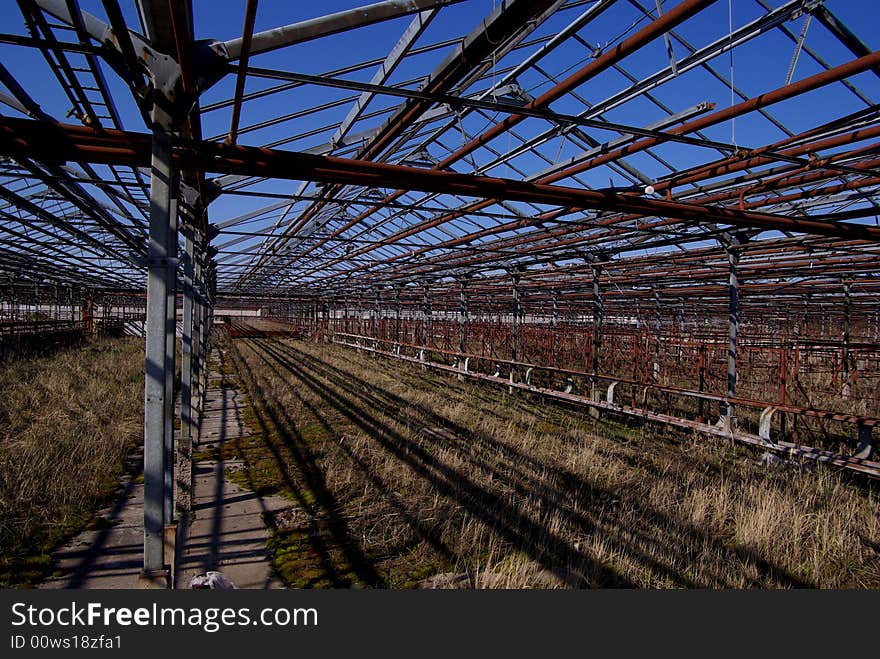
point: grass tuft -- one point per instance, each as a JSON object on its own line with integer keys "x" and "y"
{"x": 68, "y": 421}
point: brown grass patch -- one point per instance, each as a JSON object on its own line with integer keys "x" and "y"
{"x": 399, "y": 474}
{"x": 67, "y": 423}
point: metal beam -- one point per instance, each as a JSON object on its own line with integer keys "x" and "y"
{"x": 187, "y": 371}
{"x": 506, "y": 21}
{"x": 840, "y": 30}
{"x": 323, "y": 26}
{"x": 250, "y": 16}
{"x": 80, "y": 143}
{"x": 159, "y": 263}
{"x": 731, "y": 248}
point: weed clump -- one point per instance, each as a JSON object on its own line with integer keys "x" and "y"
{"x": 68, "y": 421}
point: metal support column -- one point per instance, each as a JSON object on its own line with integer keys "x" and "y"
{"x": 598, "y": 314}
{"x": 733, "y": 315}
{"x": 462, "y": 325}
{"x": 397, "y": 314}
{"x": 170, "y": 349}
{"x": 155, "y": 361}
{"x": 377, "y": 312}
{"x": 426, "y": 311}
{"x": 198, "y": 355}
{"x": 184, "y": 446}
{"x": 554, "y": 325}
{"x": 462, "y": 314}
{"x": 514, "y": 341}
{"x": 847, "y": 326}
{"x": 658, "y": 325}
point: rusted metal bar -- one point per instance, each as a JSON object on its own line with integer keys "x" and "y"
{"x": 857, "y": 464}
{"x": 763, "y": 100}
{"x": 65, "y": 141}
{"x": 657, "y": 28}
{"x": 330, "y": 24}
{"x": 123, "y": 42}
{"x": 504, "y": 22}
{"x": 250, "y": 16}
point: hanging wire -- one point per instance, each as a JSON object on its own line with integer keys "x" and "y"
{"x": 797, "y": 50}
{"x": 561, "y": 145}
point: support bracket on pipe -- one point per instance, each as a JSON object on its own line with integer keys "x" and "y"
{"x": 866, "y": 443}
{"x": 609, "y": 395}
{"x": 765, "y": 424}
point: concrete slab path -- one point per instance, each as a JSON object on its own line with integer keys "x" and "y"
{"x": 225, "y": 532}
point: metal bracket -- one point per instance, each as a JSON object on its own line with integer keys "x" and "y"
{"x": 764, "y": 424}
{"x": 866, "y": 443}
{"x": 168, "y": 261}
{"x": 609, "y": 395}
{"x": 209, "y": 61}
{"x": 809, "y": 6}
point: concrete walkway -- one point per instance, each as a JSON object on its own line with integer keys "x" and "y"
{"x": 112, "y": 555}
{"x": 226, "y": 530}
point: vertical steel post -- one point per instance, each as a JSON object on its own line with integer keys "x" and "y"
{"x": 426, "y": 311}
{"x": 462, "y": 314}
{"x": 733, "y": 316}
{"x": 806, "y": 312}
{"x": 514, "y": 341}
{"x": 462, "y": 326}
{"x": 170, "y": 348}
{"x": 702, "y": 380}
{"x": 598, "y": 314}
{"x": 397, "y": 314}
{"x": 155, "y": 359}
{"x": 198, "y": 355}
{"x": 658, "y": 324}
{"x": 847, "y": 326}
{"x": 377, "y": 326}
{"x": 184, "y": 446}
{"x": 554, "y": 324}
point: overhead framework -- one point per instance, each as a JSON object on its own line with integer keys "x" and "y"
{"x": 608, "y": 163}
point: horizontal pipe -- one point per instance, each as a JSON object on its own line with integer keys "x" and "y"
{"x": 732, "y": 164}
{"x": 51, "y": 142}
{"x": 335, "y": 23}
{"x": 863, "y": 466}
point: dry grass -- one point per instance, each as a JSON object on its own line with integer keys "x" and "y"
{"x": 399, "y": 474}
{"x": 67, "y": 423}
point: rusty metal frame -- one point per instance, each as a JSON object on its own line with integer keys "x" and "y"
{"x": 528, "y": 180}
